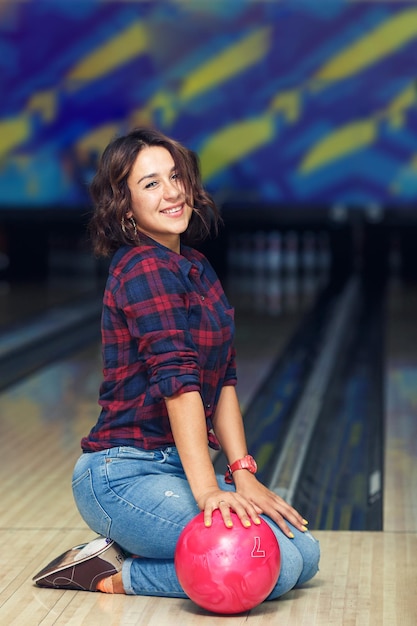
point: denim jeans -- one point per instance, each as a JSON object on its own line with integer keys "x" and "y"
{"x": 142, "y": 500}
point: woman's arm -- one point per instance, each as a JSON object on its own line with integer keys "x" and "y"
{"x": 228, "y": 425}
{"x": 229, "y": 429}
{"x": 188, "y": 425}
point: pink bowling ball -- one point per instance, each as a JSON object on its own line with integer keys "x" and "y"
{"x": 227, "y": 570}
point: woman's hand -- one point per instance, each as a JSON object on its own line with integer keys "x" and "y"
{"x": 250, "y": 494}
{"x": 267, "y": 502}
{"x": 225, "y": 502}
{"x": 250, "y": 500}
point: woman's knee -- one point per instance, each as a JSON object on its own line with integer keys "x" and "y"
{"x": 299, "y": 559}
{"x": 290, "y": 569}
{"x": 309, "y": 549}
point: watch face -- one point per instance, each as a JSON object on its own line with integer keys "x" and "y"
{"x": 251, "y": 464}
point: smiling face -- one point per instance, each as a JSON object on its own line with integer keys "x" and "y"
{"x": 157, "y": 197}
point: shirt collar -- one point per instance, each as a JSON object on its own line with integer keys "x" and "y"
{"x": 187, "y": 259}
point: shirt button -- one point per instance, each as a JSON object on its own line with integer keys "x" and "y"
{"x": 202, "y": 297}
{"x": 208, "y": 405}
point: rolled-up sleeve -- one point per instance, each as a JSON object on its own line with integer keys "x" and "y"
{"x": 155, "y": 304}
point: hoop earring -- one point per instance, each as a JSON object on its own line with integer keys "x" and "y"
{"x": 135, "y": 230}
{"x": 124, "y": 229}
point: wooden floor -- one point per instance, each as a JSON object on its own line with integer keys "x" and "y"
{"x": 366, "y": 579}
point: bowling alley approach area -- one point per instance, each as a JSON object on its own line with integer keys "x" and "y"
{"x": 327, "y": 384}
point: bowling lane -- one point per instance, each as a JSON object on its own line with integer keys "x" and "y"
{"x": 341, "y": 483}
{"x": 43, "y": 417}
{"x": 400, "y": 484}
{"x": 360, "y": 472}
{"x": 20, "y": 301}
{"x": 45, "y": 321}
{"x": 260, "y": 340}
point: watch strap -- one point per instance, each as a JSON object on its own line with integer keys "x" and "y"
{"x": 247, "y": 462}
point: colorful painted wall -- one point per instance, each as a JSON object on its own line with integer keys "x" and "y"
{"x": 285, "y": 102}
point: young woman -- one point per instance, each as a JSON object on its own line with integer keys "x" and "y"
{"x": 168, "y": 392}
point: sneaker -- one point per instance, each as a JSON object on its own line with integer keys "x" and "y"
{"x": 83, "y": 566}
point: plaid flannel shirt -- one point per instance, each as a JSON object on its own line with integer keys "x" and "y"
{"x": 167, "y": 328}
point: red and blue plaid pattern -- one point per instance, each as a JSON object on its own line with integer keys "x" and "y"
{"x": 167, "y": 328}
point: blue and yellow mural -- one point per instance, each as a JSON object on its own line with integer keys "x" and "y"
{"x": 285, "y": 102}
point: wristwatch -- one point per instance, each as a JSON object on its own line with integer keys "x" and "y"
{"x": 248, "y": 463}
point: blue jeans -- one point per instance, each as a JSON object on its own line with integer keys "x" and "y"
{"x": 142, "y": 500}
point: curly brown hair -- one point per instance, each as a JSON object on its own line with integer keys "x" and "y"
{"x": 109, "y": 228}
